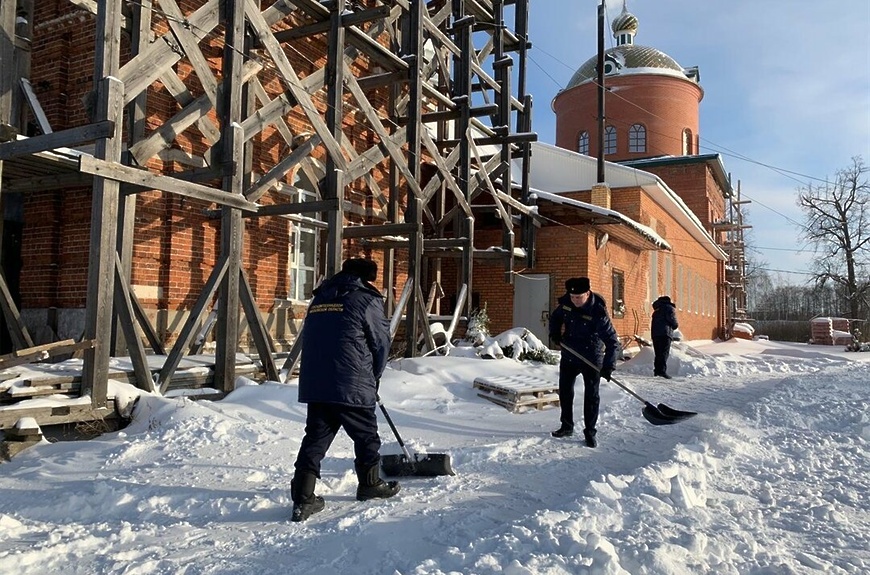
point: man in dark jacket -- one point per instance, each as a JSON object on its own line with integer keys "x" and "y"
{"x": 345, "y": 347}
{"x": 581, "y": 321}
{"x": 662, "y": 326}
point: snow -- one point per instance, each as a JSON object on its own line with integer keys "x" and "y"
{"x": 770, "y": 478}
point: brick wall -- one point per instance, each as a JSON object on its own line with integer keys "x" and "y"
{"x": 664, "y": 105}
{"x": 569, "y": 251}
{"x": 176, "y": 242}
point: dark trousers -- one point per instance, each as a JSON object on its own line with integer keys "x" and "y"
{"x": 321, "y": 426}
{"x": 662, "y": 348}
{"x": 568, "y": 373}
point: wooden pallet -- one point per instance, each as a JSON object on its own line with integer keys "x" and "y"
{"x": 515, "y": 393}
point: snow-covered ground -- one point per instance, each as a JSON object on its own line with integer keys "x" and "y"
{"x": 771, "y": 478}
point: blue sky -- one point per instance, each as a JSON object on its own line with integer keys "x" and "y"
{"x": 786, "y": 92}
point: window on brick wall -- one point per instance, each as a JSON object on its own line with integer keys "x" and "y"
{"x": 688, "y": 147}
{"x": 637, "y": 138}
{"x": 618, "y": 296}
{"x": 303, "y": 245}
{"x": 609, "y": 140}
{"x": 583, "y": 143}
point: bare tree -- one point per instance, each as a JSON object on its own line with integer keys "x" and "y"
{"x": 837, "y": 219}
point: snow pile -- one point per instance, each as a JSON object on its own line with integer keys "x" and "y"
{"x": 771, "y": 477}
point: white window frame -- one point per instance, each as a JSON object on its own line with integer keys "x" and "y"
{"x": 609, "y": 140}
{"x": 583, "y": 143}
{"x": 637, "y": 138}
{"x": 298, "y": 264}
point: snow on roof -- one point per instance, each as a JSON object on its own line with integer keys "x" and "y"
{"x": 645, "y": 231}
{"x": 557, "y": 170}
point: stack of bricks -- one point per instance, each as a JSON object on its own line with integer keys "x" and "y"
{"x": 830, "y": 331}
{"x": 842, "y": 335}
{"x": 822, "y": 331}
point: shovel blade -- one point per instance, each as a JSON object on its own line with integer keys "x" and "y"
{"x": 419, "y": 465}
{"x": 675, "y": 413}
{"x": 657, "y": 416}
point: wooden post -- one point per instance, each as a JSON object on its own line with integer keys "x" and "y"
{"x": 334, "y": 178}
{"x": 232, "y": 226}
{"x": 104, "y": 210}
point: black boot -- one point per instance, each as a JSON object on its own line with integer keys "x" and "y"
{"x": 563, "y": 431}
{"x": 305, "y": 502}
{"x": 371, "y": 486}
{"x": 589, "y": 435}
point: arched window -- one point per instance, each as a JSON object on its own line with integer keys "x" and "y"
{"x": 609, "y": 140}
{"x": 688, "y": 148}
{"x": 583, "y": 143}
{"x": 637, "y": 138}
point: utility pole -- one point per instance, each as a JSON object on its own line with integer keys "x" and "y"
{"x": 600, "y": 68}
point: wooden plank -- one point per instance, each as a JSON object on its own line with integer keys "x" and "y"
{"x": 190, "y": 44}
{"x": 183, "y": 341}
{"x": 150, "y": 181}
{"x": 288, "y": 74}
{"x": 150, "y": 64}
{"x": 7, "y": 60}
{"x": 182, "y": 95}
{"x": 56, "y": 415}
{"x": 63, "y": 139}
{"x": 393, "y": 149}
{"x": 279, "y": 170}
{"x": 35, "y": 106}
{"x": 272, "y": 112}
{"x": 125, "y": 314}
{"x": 262, "y": 341}
{"x": 17, "y": 330}
{"x": 41, "y": 352}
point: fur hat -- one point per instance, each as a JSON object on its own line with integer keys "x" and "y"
{"x": 366, "y": 270}
{"x": 577, "y": 285}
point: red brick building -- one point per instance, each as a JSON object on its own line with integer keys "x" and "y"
{"x": 655, "y": 178}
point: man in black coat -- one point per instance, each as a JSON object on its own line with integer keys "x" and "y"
{"x": 662, "y": 326}
{"x": 581, "y": 321}
{"x": 345, "y": 347}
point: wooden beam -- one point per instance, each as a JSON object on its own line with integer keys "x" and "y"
{"x": 150, "y": 64}
{"x": 150, "y": 181}
{"x": 35, "y": 106}
{"x": 63, "y": 139}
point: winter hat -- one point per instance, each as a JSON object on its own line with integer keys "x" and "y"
{"x": 366, "y": 270}
{"x": 577, "y": 285}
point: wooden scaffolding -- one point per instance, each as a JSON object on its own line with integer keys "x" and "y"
{"x": 449, "y": 76}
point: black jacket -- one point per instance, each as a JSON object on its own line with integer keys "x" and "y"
{"x": 345, "y": 343}
{"x": 587, "y": 330}
{"x": 664, "y": 318}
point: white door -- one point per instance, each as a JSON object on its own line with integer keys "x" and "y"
{"x": 532, "y": 304}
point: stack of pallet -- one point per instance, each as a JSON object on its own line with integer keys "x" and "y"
{"x": 518, "y": 393}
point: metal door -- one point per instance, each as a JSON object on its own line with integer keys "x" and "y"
{"x": 532, "y": 304}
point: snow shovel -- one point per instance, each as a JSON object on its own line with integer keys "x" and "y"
{"x": 657, "y": 415}
{"x": 426, "y": 465}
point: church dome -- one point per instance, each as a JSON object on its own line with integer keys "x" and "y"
{"x": 628, "y": 58}
{"x": 625, "y": 22}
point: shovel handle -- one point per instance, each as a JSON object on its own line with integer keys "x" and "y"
{"x": 393, "y": 427}
{"x": 612, "y": 379}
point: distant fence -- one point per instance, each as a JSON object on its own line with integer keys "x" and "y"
{"x": 783, "y": 330}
